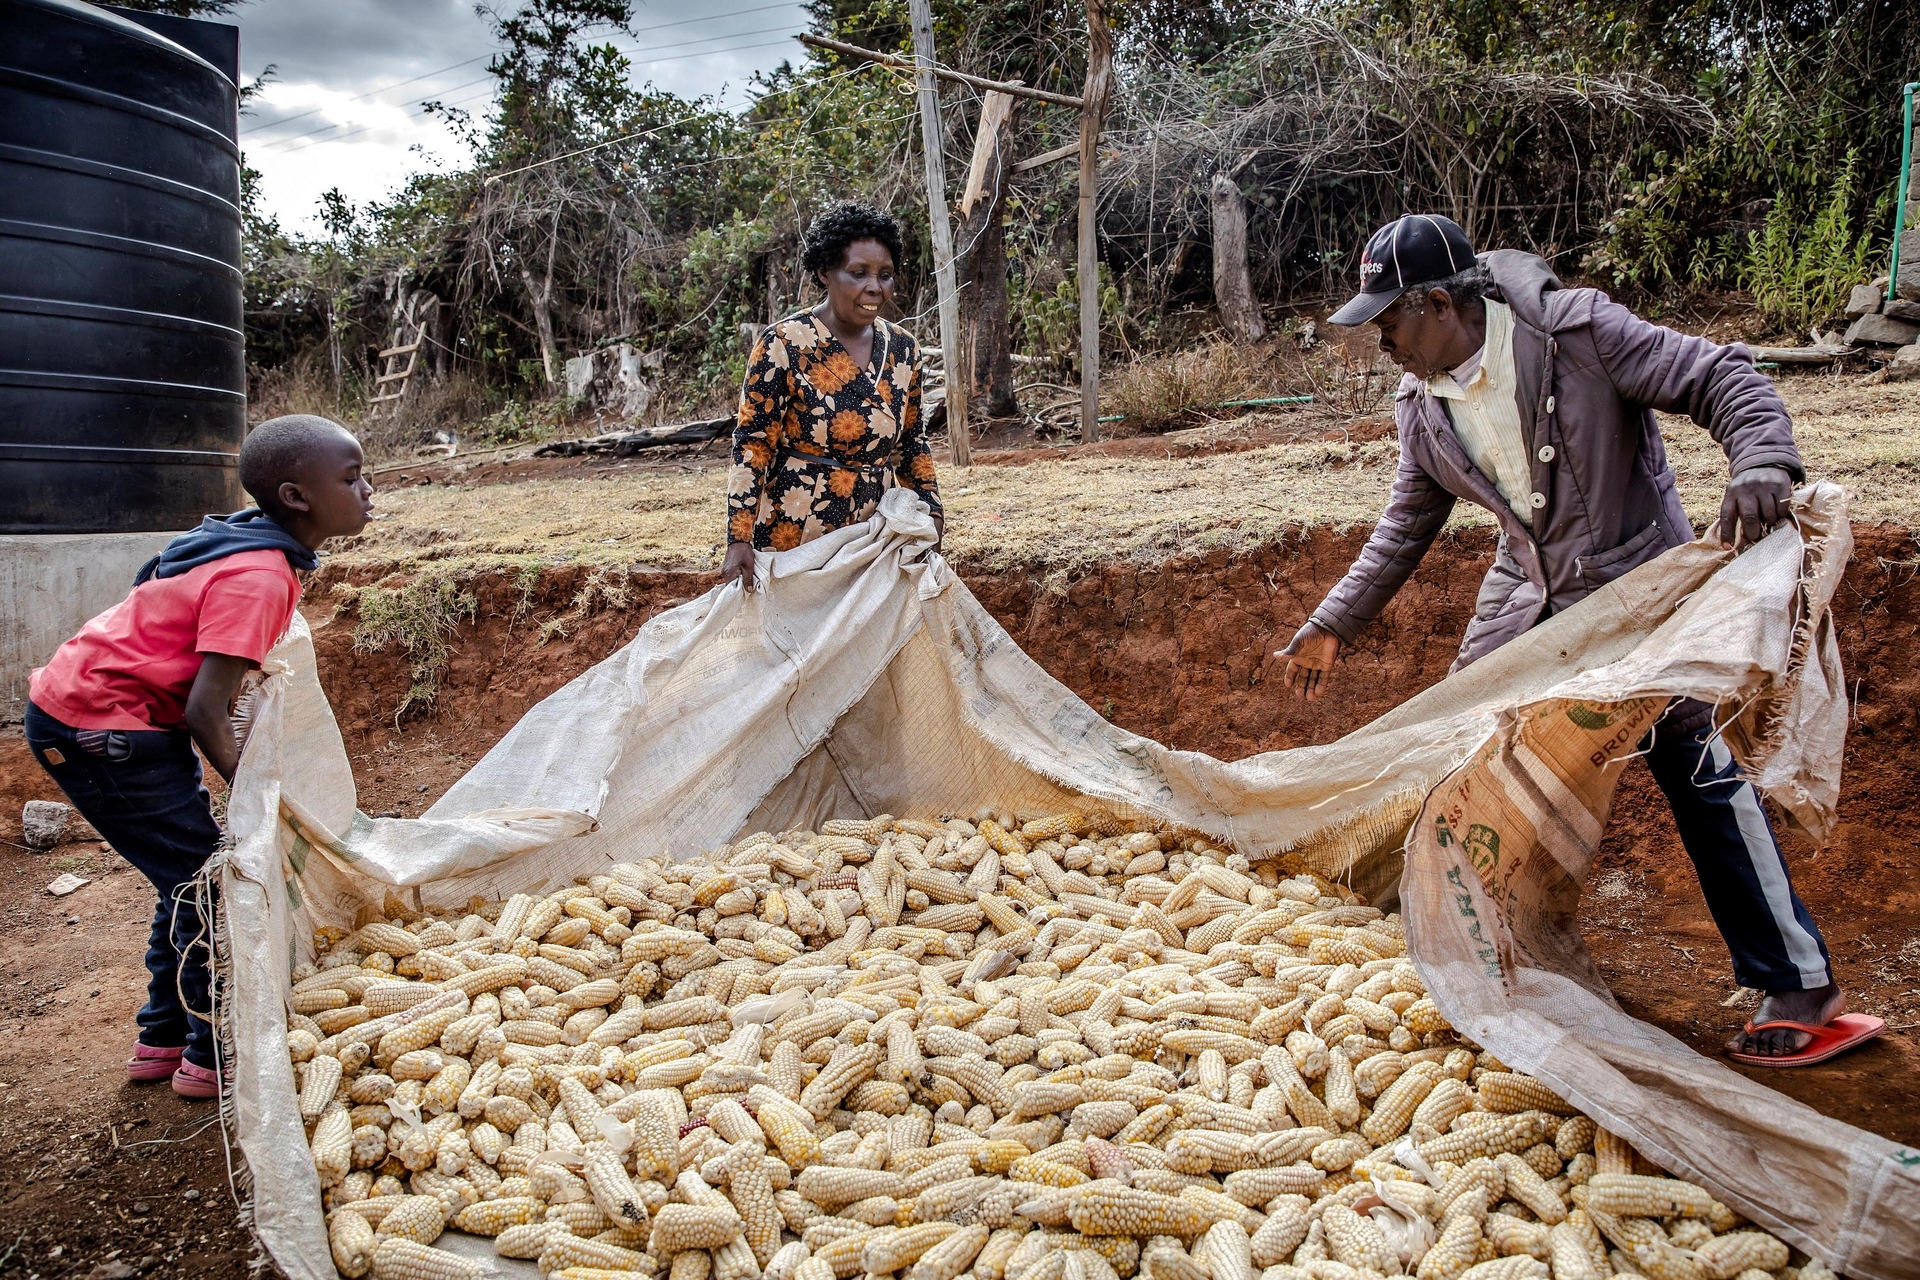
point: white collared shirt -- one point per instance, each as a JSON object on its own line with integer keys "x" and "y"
{"x": 1483, "y": 405}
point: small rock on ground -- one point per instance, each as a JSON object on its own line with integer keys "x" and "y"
{"x": 43, "y": 822}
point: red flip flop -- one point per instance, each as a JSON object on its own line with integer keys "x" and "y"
{"x": 1846, "y": 1031}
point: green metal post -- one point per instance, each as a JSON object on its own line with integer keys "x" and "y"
{"x": 1900, "y": 206}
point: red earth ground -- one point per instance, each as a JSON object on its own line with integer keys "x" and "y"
{"x": 1177, "y": 651}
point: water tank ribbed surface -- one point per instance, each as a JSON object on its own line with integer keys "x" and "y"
{"x": 122, "y": 366}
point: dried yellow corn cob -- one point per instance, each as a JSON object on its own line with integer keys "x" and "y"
{"x": 1227, "y": 1251}
{"x": 1725, "y": 1257}
{"x": 951, "y": 1256}
{"x": 694, "y": 1264}
{"x": 418, "y": 1033}
{"x": 384, "y": 937}
{"x": 1508, "y": 1091}
{"x": 1338, "y": 1153}
{"x": 686, "y": 1226}
{"x": 332, "y": 1146}
{"x": 1424, "y": 1018}
{"x": 849, "y": 1066}
{"x": 401, "y": 1259}
{"x": 751, "y": 1191}
{"x": 1446, "y": 1102}
{"x": 1456, "y": 1249}
{"x": 318, "y": 1084}
{"x": 1527, "y": 1188}
{"x": 1286, "y": 1225}
{"x": 580, "y": 1217}
{"x": 1611, "y": 1153}
{"x": 1574, "y": 1136}
{"x": 1568, "y": 1255}
{"x": 1356, "y": 1241}
{"x": 1104, "y": 1208}
{"x": 612, "y": 1190}
{"x": 1393, "y": 1111}
{"x": 1510, "y": 1236}
{"x": 1519, "y": 1267}
{"x": 1628, "y": 1195}
{"x": 491, "y": 1217}
{"x": 900, "y": 1248}
{"x": 1341, "y": 1096}
{"x": 528, "y": 1240}
{"x": 563, "y": 1250}
{"x": 418, "y": 1218}
{"x": 351, "y": 1240}
{"x": 1500, "y": 1133}
{"x": 1049, "y": 1173}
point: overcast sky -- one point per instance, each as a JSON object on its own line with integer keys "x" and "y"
{"x": 343, "y": 109}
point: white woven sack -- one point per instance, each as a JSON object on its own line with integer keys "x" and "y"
{"x": 865, "y": 678}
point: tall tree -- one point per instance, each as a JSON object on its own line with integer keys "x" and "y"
{"x": 558, "y": 95}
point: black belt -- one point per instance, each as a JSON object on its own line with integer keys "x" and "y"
{"x": 804, "y": 456}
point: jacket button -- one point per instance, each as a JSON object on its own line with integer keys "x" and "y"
{"x": 1537, "y": 501}
{"x": 1546, "y": 453}
{"x": 1549, "y": 404}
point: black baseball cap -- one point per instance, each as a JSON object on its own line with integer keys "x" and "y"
{"x": 1414, "y": 250}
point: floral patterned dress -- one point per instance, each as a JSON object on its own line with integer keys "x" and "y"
{"x": 819, "y": 438}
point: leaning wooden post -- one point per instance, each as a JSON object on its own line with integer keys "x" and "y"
{"x": 1232, "y": 283}
{"x": 1094, "y": 106}
{"x": 934, "y": 149}
{"x": 984, "y": 266}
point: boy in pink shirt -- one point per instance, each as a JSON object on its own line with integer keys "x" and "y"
{"x": 115, "y": 714}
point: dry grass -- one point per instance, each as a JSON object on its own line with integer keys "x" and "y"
{"x": 1865, "y": 437}
{"x": 664, "y": 520}
{"x": 1064, "y": 516}
{"x": 1168, "y": 390}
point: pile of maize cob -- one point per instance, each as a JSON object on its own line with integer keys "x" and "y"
{"x": 1063, "y": 1050}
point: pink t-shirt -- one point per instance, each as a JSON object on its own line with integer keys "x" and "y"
{"x": 132, "y": 667}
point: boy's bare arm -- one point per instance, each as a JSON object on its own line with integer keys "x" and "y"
{"x": 209, "y": 710}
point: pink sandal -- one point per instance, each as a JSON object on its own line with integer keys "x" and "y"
{"x": 1829, "y": 1039}
{"x": 196, "y": 1082}
{"x": 152, "y": 1063}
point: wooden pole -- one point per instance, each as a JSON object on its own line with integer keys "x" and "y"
{"x": 1094, "y": 106}
{"x": 961, "y": 453}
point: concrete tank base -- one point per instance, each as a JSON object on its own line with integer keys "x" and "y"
{"x": 50, "y": 585}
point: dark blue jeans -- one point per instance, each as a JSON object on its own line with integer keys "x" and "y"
{"x": 142, "y": 792}
{"x": 1774, "y": 943}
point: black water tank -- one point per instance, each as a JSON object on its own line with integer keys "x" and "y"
{"x": 122, "y": 365}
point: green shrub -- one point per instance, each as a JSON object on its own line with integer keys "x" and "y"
{"x": 1801, "y": 263}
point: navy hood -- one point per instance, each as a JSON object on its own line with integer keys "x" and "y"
{"x": 221, "y": 536}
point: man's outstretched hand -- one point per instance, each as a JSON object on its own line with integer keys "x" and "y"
{"x": 1310, "y": 657}
{"x": 1756, "y": 501}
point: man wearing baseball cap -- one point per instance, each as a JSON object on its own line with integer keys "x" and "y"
{"x": 1536, "y": 401}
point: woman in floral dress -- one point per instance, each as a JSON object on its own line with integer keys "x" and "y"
{"x": 830, "y": 411}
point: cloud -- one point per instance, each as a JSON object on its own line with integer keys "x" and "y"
{"x": 343, "y": 109}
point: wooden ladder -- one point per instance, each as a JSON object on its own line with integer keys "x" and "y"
{"x": 407, "y": 337}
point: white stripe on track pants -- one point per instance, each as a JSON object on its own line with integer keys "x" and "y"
{"x": 1773, "y": 940}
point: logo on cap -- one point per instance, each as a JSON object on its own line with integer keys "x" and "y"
{"x": 1369, "y": 269}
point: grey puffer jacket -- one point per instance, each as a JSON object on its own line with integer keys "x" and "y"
{"x": 1590, "y": 374}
